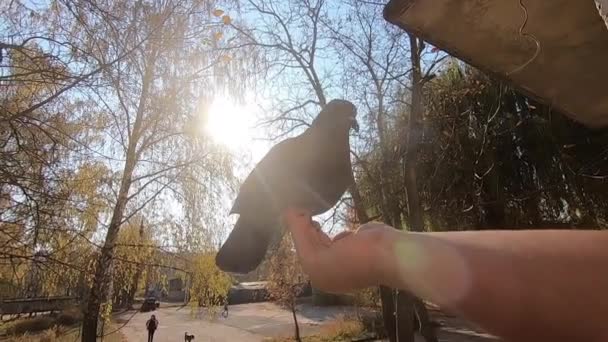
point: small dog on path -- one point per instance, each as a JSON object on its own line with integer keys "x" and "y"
{"x": 188, "y": 338}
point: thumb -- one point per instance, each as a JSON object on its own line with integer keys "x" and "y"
{"x": 303, "y": 233}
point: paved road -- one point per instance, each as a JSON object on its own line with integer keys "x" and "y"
{"x": 246, "y": 323}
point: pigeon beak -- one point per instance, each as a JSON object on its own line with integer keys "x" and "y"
{"x": 355, "y": 125}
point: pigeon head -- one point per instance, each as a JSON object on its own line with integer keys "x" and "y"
{"x": 338, "y": 115}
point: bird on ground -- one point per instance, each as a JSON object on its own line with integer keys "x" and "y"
{"x": 310, "y": 171}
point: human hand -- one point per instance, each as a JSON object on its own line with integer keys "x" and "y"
{"x": 352, "y": 260}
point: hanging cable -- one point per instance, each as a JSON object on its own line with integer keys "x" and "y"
{"x": 527, "y": 35}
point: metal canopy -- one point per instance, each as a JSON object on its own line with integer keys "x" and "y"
{"x": 570, "y": 71}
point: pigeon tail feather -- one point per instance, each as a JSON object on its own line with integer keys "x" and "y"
{"x": 246, "y": 246}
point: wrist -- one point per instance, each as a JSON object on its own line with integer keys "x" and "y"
{"x": 385, "y": 256}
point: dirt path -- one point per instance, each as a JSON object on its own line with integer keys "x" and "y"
{"x": 258, "y": 321}
{"x": 247, "y": 323}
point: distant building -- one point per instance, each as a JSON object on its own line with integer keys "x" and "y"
{"x": 176, "y": 291}
{"x": 248, "y": 292}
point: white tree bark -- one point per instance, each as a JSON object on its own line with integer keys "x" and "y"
{"x": 602, "y": 6}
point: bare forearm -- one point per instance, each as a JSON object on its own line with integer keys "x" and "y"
{"x": 523, "y": 285}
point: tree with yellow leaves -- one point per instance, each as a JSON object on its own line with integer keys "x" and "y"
{"x": 135, "y": 253}
{"x": 209, "y": 285}
{"x": 286, "y": 281}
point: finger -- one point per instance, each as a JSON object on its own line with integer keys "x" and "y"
{"x": 304, "y": 232}
{"x": 297, "y": 212}
{"x": 296, "y": 217}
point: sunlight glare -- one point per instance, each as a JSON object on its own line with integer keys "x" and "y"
{"x": 229, "y": 124}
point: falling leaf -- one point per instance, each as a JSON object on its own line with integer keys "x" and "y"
{"x": 225, "y": 58}
{"x": 218, "y": 12}
{"x": 218, "y": 35}
{"x": 227, "y": 20}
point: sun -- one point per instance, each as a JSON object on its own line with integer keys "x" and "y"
{"x": 229, "y": 124}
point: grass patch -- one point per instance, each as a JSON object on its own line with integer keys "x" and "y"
{"x": 341, "y": 329}
{"x": 63, "y": 334}
{"x": 69, "y": 317}
{"x": 62, "y": 327}
{"x": 65, "y": 318}
{"x": 30, "y": 325}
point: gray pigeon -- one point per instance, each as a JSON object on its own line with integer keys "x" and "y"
{"x": 311, "y": 171}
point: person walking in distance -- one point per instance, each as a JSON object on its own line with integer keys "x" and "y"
{"x": 151, "y": 325}
{"x": 225, "y": 313}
